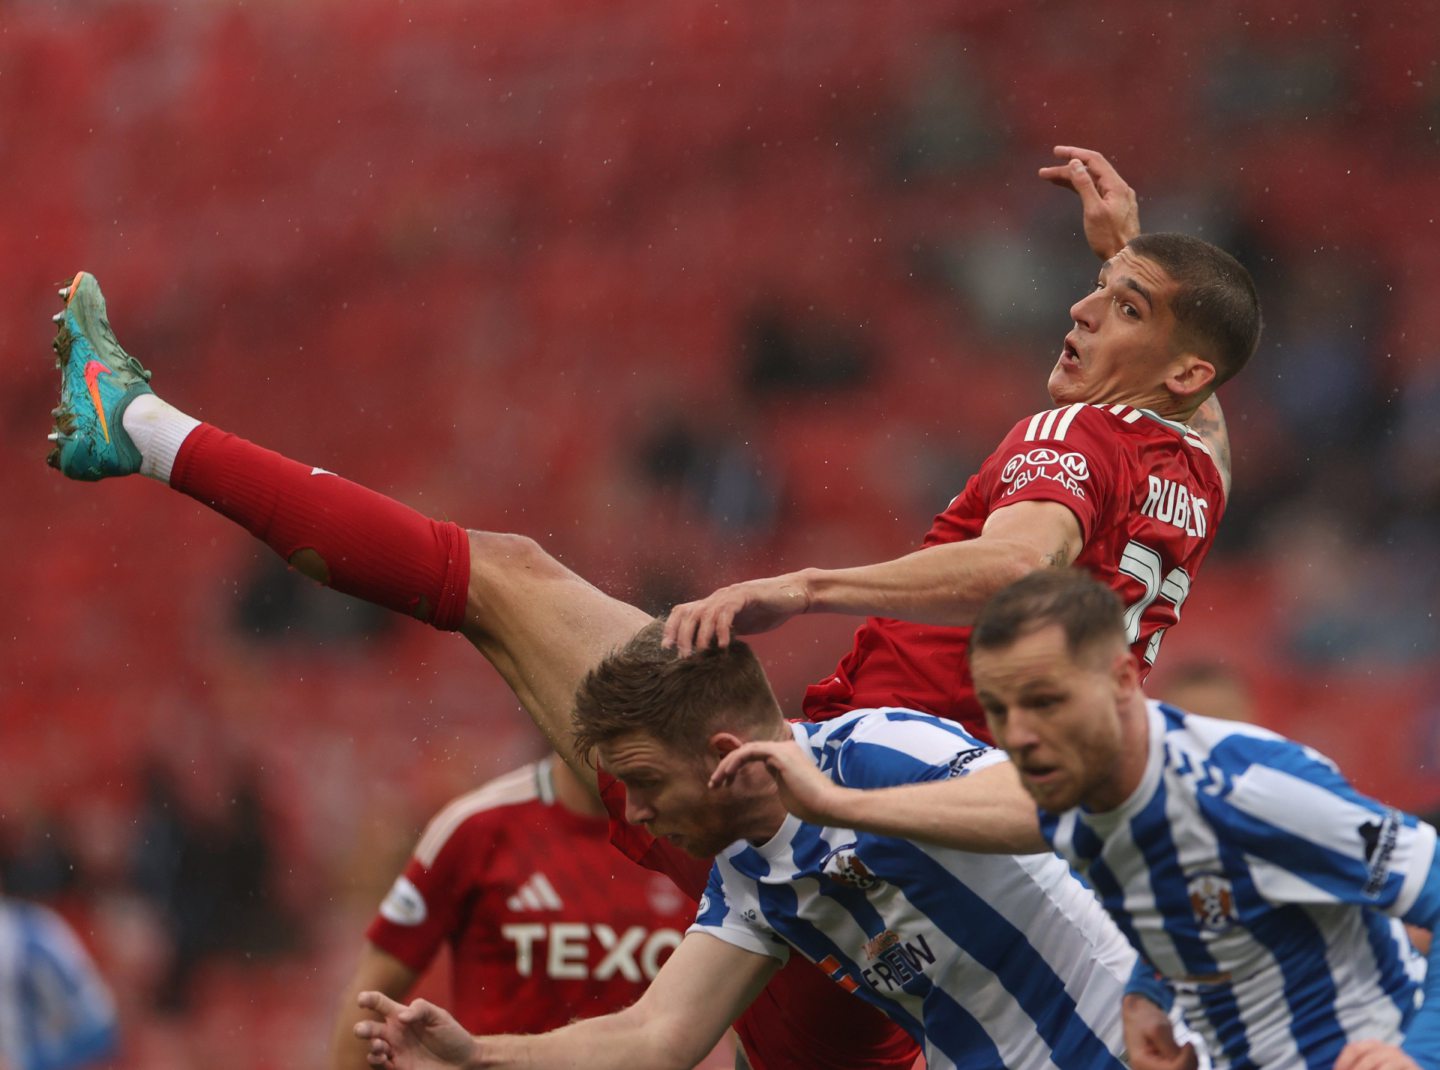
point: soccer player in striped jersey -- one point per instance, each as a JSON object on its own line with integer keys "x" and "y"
{"x": 991, "y": 960}
{"x": 545, "y": 921}
{"x": 1263, "y": 888}
{"x": 56, "y": 1012}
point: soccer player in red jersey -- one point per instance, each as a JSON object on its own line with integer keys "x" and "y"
{"x": 545, "y": 920}
{"x": 1166, "y": 323}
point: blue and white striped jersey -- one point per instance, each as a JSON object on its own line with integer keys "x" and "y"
{"x": 1257, "y": 881}
{"x": 990, "y": 961}
{"x": 55, "y": 1011}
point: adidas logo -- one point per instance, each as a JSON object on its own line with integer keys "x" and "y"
{"x": 537, "y": 893}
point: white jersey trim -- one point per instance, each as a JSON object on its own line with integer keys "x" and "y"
{"x": 1052, "y": 424}
{"x": 518, "y": 786}
{"x": 1424, "y": 855}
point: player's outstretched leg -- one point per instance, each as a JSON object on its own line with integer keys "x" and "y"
{"x": 110, "y": 423}
{"x": 540, "y": 624}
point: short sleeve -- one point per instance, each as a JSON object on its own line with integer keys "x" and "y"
{"x": 1310, "y": 836}
{"x": 892, "y": 747}
{"x": 729, "y": 913}
{"x": 1070, "y": 455}
{"x": 423, "y": 905}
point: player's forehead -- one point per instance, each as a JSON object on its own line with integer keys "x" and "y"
{"x": 637, "y": 752}
{"x": 1039, "y": 656}
{"x": 1140, "y": 273}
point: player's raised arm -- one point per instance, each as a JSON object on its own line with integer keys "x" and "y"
{"x": 699, "y": 991}
{"x": 944, "y": 584}
{"x": 1110, "y": 208}
{"x": 987, "y": 811}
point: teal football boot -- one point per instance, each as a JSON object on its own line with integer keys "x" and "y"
{"x": 98, "y": 381}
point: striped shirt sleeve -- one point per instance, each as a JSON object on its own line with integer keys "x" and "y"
{"x": 1312, "y": 837}
{"x": 727, "y": 913}
{"x": 904, "y": 747}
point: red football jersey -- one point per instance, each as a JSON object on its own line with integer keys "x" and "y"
{"x": 546, "y": 921}
{"x": 1148, "y": 497}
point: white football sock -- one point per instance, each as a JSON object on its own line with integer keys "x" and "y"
{"x": 157, "y": 428}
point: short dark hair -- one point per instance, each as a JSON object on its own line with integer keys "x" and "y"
{"x": 1086, "y": 609}
{"x": 643, "y": 686}
{"x": 1217, "y": 311}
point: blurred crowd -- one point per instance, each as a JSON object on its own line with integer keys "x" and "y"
{"x": 690, "y": 292}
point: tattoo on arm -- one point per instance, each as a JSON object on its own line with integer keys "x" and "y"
{"x": 1209, "y": 423}
{"x": 1064, "y": 555}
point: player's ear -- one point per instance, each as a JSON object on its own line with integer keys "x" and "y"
{"x": 1190, "y": 375}
{"x": 1125, "y": 672}
{"x": 722, "y": 743}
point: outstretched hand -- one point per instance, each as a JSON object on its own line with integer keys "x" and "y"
{"x": 420, "y": 1036}
{"x": 1150, "y": 1038}
{"x": 1111, "y": 208}
{"x": 806, "y": 792}
{"x": 740, "y": 609}
{"x": 1374, "y": 1055}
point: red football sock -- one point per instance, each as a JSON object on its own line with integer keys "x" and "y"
{"x": 374, "y": 547}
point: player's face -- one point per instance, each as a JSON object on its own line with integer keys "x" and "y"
{"x": 1121, "y": 348}
{"x": 1055, "y": 715}
{"x": 668, "y": 792}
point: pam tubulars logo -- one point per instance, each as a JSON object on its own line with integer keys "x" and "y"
{"x": 1069, "y": 469}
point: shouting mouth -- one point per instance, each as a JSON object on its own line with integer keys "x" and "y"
{"x": 1069, "y": 355}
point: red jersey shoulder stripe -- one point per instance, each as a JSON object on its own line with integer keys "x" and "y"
{"x": 1052, "y": 424}
{"x": 519, "y": 786}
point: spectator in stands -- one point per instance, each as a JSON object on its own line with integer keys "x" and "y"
{"x": 40, "y": 862}
{"x": 209, "y": 882}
